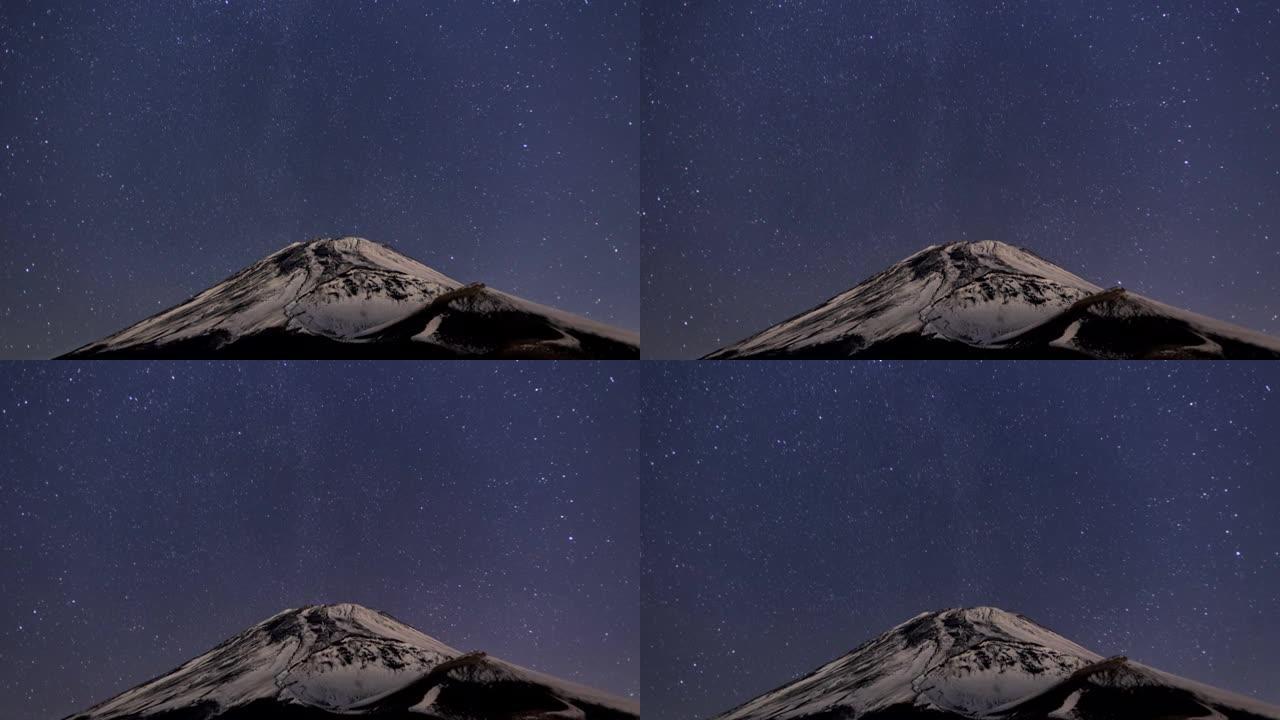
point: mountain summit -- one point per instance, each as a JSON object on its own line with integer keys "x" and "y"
{"x": 348, "y": 297}
{"x": 325, "y": 662}
{"x": 988, "y": 664}
{"x": 989, "y": 299}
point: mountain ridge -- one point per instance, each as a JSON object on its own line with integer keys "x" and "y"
{"x": 988, "y": 299}
{"x": 345, "y": 660}
{"x": 322, "y": 298}
{"x": 985, "y": 663}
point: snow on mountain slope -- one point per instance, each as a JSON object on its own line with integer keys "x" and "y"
{"x": 333, "y": 296}
{"x": 321, "y": 661}
{"x": 989, "y": 299}
{"x": 326, "y": 656}
{"x": 966, "y": 661}
{"x": 335, "y": 288}
{"x": 971, "y": 292}
{"x": 988, "y": 664}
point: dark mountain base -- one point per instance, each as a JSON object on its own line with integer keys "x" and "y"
{"x": 506, "y": 336}
{"x": 903, "y": 347}
{"x": 1095, "y": 704}
{"x": 465, "y": 702}
{"x": 895, "y": 712}
{"x": 1143, "y": 338}
{"x": 1108, "y": 703}
{"x": 1114, "y": 340}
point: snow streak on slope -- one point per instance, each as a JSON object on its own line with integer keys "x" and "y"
{"x": 1118, "y": 687}
{"x": 1215, "y": 696}
{"x": 1121, "y": 324}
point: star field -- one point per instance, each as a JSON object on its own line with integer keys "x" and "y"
{"x": 794, "y": 510}
{"x": 150, "y": 150}
{"x": 793, "y": 149}
{"x": 149, "y": 511}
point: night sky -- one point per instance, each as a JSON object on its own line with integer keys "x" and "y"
{"x": 795, "y": 148}
{"x": 149, "y": 511}
{"x": 793, "y": 511}
{"x": 148, "y": 150}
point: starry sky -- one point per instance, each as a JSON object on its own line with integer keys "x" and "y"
{"x": 149, "y": 511}
{"x": 149, "y": 150}
{"x": 793, "y": 149}
{"x": 793, "y": 511}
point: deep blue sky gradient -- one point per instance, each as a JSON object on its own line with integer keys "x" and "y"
{"x": 150, "y": 511}
{"x": 148, "y": 150}
{"x": 794, "y": 510}
{"x": 793, "y": 149}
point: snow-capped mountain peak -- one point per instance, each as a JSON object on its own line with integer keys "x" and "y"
{"x": 970, "y": 292}
{"x": 324, "y": 655}
{"x": 351, "y": 297}
{"x": 322, "y": 660}
{"x": 985, "y": 663}
{"x": 991, "y": 299}
{"x": 328, "y": 287}
{"x": 960, "y": 660}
